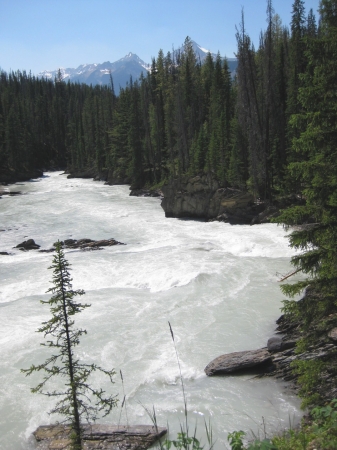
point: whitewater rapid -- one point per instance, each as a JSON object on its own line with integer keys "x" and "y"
{"x": 215, "y": 283}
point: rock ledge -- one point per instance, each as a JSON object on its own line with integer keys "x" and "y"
{"x": 100, "y": 437}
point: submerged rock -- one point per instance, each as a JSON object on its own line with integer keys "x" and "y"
{"x": 102, "y": 437}
{"x": 238, "y": 362}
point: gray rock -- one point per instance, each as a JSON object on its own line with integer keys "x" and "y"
{"x": 333, "y": 334}
{"x": 274, "y": 344}
{"x": 202, "y": 197}
{"x": 238, "y": 362}
{"x": 277, "y": 344}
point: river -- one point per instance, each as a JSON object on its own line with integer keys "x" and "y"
{"x": 215, "y": 283}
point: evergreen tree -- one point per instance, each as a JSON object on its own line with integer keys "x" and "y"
{"x": 315, "y": 170}
{"x": 73, "y": 402}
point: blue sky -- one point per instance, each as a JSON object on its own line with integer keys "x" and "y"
{"x": 47, "y": 34}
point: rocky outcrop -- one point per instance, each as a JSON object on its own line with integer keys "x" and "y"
{"x": 239, "y": 362}
{"x": 28, "y": 245}
{"x": 202, "y": 197}
{"x": 100, "y": 437}
{"x": 89, "y": 243}
{"x": 276, "y": 360}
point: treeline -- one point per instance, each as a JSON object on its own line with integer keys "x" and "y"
{"x": 48, "y": 123}
{"x": 182, "y": 117}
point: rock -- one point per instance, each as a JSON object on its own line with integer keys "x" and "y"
{"x": 28, "y": 245}
{"x": 277, "y": 344}
{"x": 333, "y": 334}
{"x": 238, "y": 362}
{"x": 115, "y": 177}
{"x": 202, "y": 197}
{"x": 10, "y": 193}
{"x": 146, "y": 193}
{"x": 89, "y": 243}
{"x": 265, "y": 216}
{"x": 274, "y": 344}
{"x": 102, "y": 437}
{"x": 4, "y": 253}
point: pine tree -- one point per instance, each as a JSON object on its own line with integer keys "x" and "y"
{"x": 73, "y": 402}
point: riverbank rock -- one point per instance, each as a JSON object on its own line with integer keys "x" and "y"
{"x": 146, "y": 193}
{"x": 202, "y": 197}
{"x": 83, "y": 173}
{"x": 277, "y": 344}
{"x": 6, "y": 191}
{"x": 28, "y": 245}
{"x": 238, "y": 362}
{"x": 100, "y": 437}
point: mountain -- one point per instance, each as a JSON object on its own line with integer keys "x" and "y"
{"x": 121, "y": 70}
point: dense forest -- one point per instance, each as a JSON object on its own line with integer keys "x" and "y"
{"x": 182, "y": 117}
{"x": 271, "y": 129}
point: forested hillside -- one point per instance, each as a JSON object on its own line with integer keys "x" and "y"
{"x": 183, "y": 117}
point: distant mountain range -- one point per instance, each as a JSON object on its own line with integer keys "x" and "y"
{"x": 121, "y": 70}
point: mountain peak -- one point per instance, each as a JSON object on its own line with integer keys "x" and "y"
{"x": 121, "y": 70}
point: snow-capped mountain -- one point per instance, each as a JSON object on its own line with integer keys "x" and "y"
{"x": 201, "y": 54}
{"x": 121, "y": 71}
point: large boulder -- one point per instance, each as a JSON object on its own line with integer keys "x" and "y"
{"x": 238, "y": 362}
{"x": 28, "y": 245}
{"x": 202, "y": 197}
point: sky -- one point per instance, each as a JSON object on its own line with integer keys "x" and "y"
{"x": 37, "y": 35}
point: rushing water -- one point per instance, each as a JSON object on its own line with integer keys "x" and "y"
{"x": 215, "y": 283}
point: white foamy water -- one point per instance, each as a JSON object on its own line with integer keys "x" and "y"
{"x": 216, "y": 284}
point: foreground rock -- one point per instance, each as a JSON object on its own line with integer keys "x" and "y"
{"x": 28, "y": 245}
{"x": 238, "y": 362}
{"x": 100, "y": 437}
{"x": 202, "y": 197}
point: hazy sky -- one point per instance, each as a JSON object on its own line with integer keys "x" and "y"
{"x": 47, "y": 34}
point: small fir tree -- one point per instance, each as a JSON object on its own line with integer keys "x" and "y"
{"x": 78, "y": 399}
